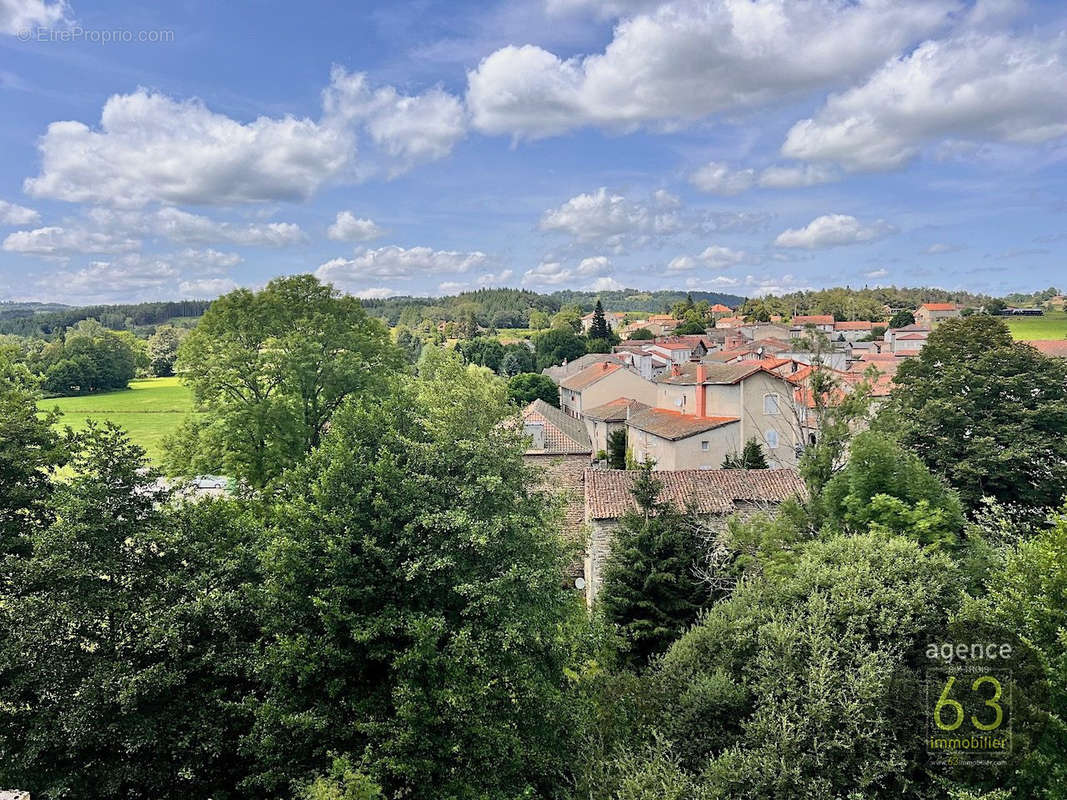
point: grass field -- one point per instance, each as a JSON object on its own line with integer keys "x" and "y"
{"x": 1051, "y": 326}
{"x": 149, "y": 410}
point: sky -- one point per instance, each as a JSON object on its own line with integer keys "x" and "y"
{"x": 154, "y": 151}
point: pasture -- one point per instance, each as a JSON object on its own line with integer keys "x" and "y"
{"x": 1053, "y": 325}
{"x": 149, "y": 410}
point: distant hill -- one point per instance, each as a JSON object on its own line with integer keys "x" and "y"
{"x": 46, "y": 319}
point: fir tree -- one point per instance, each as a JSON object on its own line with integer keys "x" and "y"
{"x": 751, "y": 457}
{"x": 617, "y": 449}
{"x": 599, "y": 329}
{"x": 651, "y": 593}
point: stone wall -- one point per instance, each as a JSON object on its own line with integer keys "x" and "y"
{"x": 565, "y": 476}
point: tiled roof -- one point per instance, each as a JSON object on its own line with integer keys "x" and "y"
{"x": 674, "y": 425}
{"x": 589, "y": 375}
{"x": 940, "y": 306}
{"x": 727, "y": 322}
{"x": 615, "y": 411}
{"x": 911, "y": 337}
{"x": 814, "y": 319}
{"x": 673, "y": 345}
{"x": 1050, "y": 347}
{"x": 914, "y": 327}
{"x": 711, "y": 491}
{"x": 719, "y": 308}
{"x": 853, "y": 326}
{"x": 714, "y": 373}
{"x": 564, "y": 435}
{"x": 661, "y": 318}
{"x": 560, "y": 371}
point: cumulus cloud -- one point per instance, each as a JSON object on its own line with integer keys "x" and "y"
{"x": 717, "y": 178}
{"x": 611, "y": 219}
{"x": 130, "y": 278}
{"x": 713, "y": 257}
{"x": 796, "y": 177}
{"x": 878, "y": 273}
{"x": 691, "y": 58}
{"x": 152, "y": 148}
{"x": 58, "y": 241}
{"x": 974, "y": 87}
{"x": 593, "y": 266}
{"x": 398, "y": 262}
{"x": 17, "y": 16}
{"x": 606, "y": 285}
{"x": 185, "y": 227}
{"x": 547, "y": 273}
{"x": 833, "y": 230}
{"x": 11, "y": 214}
{"x": 939, "y": 248}
{"x": 206, "y": 288}
{"x": 350, "y": 228}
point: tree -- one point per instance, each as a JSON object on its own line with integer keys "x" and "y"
{"x": 599, "y": 328}
{"x": 995, "y": 307}
{"x": 692, "y": 328}
{"x": 409, "y": 343}
{"x": 985, "y": 413}
{"x": 641, "y": 333}
{"x": 270, "y": 368}
{"x": 163, "y": 350}
{"x": 517, "y": 358}
{"x": 883, "y": 487}
{"x": 441, "y": 668}
{"x": 568, "y": 318}
{"x": 651, "y": 592}
{"x": 526, "y": 387}
{"x": 617, "y": 449}
{"x": 88, "y": 359}
{"x": 751, "y": 457}
{"x": 902, "y": 319}
{"x": 539, "y": 320}
{"x": 125, "y": 650}
{"x": 556, "y": 346}
{"x": 29, "y": 450}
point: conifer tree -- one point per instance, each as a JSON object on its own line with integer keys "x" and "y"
{"x": 751, "y": 457}
{"x": 651, "y": 592}
{"x": 599, "y": 329}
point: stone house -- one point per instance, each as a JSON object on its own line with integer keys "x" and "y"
{"x": 602, "y": 421}
{"x": 852, "y": 331}
{"x": 824, "y": 323}
{"x": 930, "y": 315}
{"x": 614, "y": 319}
{"x": 599, "y": 384}
{"x": 712, "y": 494}
{"x": 561, "y": 371}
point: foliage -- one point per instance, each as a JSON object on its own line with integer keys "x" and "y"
{"x": 692, "y": 328}
{"x": 885, "y": 488}
{"x": 526, "y": 387}
{"x": 88, "y": 359}
{"x": 750, "y": 457}
{"x": 641, "y": 333}
{"x": 902, "y": 319}
{"x": 270, "y": 368}
{"x": 780, "y": 691}
{"x": 617, "y": 449}
{"x": 442, "y": 666}
{"x": 987, "y": 414}
{"x": 599, "y": 329}
{"x": 651, "y": 593}
{"x": 484, "y": 351}
{"x": 163, "y": 350}
{"x": 556, "y": 346}
{"x": 344, "y": 782}
{"x": 124, "y": 651}
{"x": 36, "y": 320}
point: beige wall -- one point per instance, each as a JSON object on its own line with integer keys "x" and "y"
{"x": 756, "y": 423}
{"x": 599, "y": 431}
{"x": 688, "y": 453}
{"x": 620, "y": 383}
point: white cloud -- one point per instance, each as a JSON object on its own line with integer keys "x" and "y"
{"x": 496, "y": 278}
{"x": 833, "y": 230}
{"x": 974, "y": 87}
{"x": 681, "y": 264}
{"x": 547, "y": 273}
{"x": 182, "y": 226}
{"x": 398, "y": 262}
{"x": 717, "y": 178}
{"x": 206, "y": 288}
{"x": 594, "y": 266}
{"x": 603, "y": 9}
{"x": 939, "y": 248}
{"x": 713, "y": 257}
{"x": 688, "y": 59}
{"x": 350, "y": 228}
{"x": 796, "y": 177}
{"x": 17, "y": 16}
{"x": 606, "y": 284}
{"x": 878, "y": 273}
{"x": 208, "y": 260}
{"x": 375, "y": 293}
{"x": 131, "y": 278}
{"x": 11, "y": 214}
{"x": 152, "y": 148}
{"x": 611, "y": 219}
{"x": 57, "y": 241}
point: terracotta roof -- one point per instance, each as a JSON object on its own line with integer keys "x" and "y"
{"x": 589, "y": 375}
{"x": 854, "y": 326}
{"x": 719, "y": 308}
{"x": 564, "y": 435}
{"x": 714, "y": 373}
{"x": 913, "y": 327}
{"x": 727, "y": 322}
{"x": 560, "y": 371}
{"x": 673, "y": 345}
{"x": 615, "y": 411}
{"x": 910, "y": 337}
{"x": 674, "y": 425}
{"x": 940, "y": 306}
{"x": 1056, "y": 348}
{"x": 814, "y": 319}
{"x": 706, "y": 491}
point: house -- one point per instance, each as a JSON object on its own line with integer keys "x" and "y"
{"x": 852, "y": 331}
{"x": 704, "y": 412}
{"x": 824, "y": 323}
{"x": 730, "y": 322}
{"x": 930, "y": 315}
{"x": 766, "y": 330}
{"x": 600, "y": 383}
{"x": 634, "y": 354}
{"x": 712, "y": 494}
{"x": 561, "y": 371}
{"x": 1056, "y": 348}
{"x": 614, "y": 319}
{"x": 909, "y": 342}
{"x": 602, "y": 421}
{"x": 719, "y": 310}
{"x": 914, "y": 337}
{"x": 675, "y": 352}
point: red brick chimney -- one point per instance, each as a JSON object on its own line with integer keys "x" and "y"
{"x": 676, "y": 370}
{"x": 702, "y": 392}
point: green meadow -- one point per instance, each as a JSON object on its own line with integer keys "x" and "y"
{"x": 1051, "y": 326}
{"x": 149, "y": 410}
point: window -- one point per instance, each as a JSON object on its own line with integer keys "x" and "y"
{"x": 770, "y": 404}
{"x": 772, "y": 439}
{"x": 704, "y": 444}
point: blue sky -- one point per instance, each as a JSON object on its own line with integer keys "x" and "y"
{"x": 163, "y": 150}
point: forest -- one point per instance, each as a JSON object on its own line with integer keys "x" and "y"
{"x": 379, "y": 611}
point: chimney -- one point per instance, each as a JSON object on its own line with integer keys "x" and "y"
{"x": 701, "y": 392}
{"x": 676, "y": 370}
